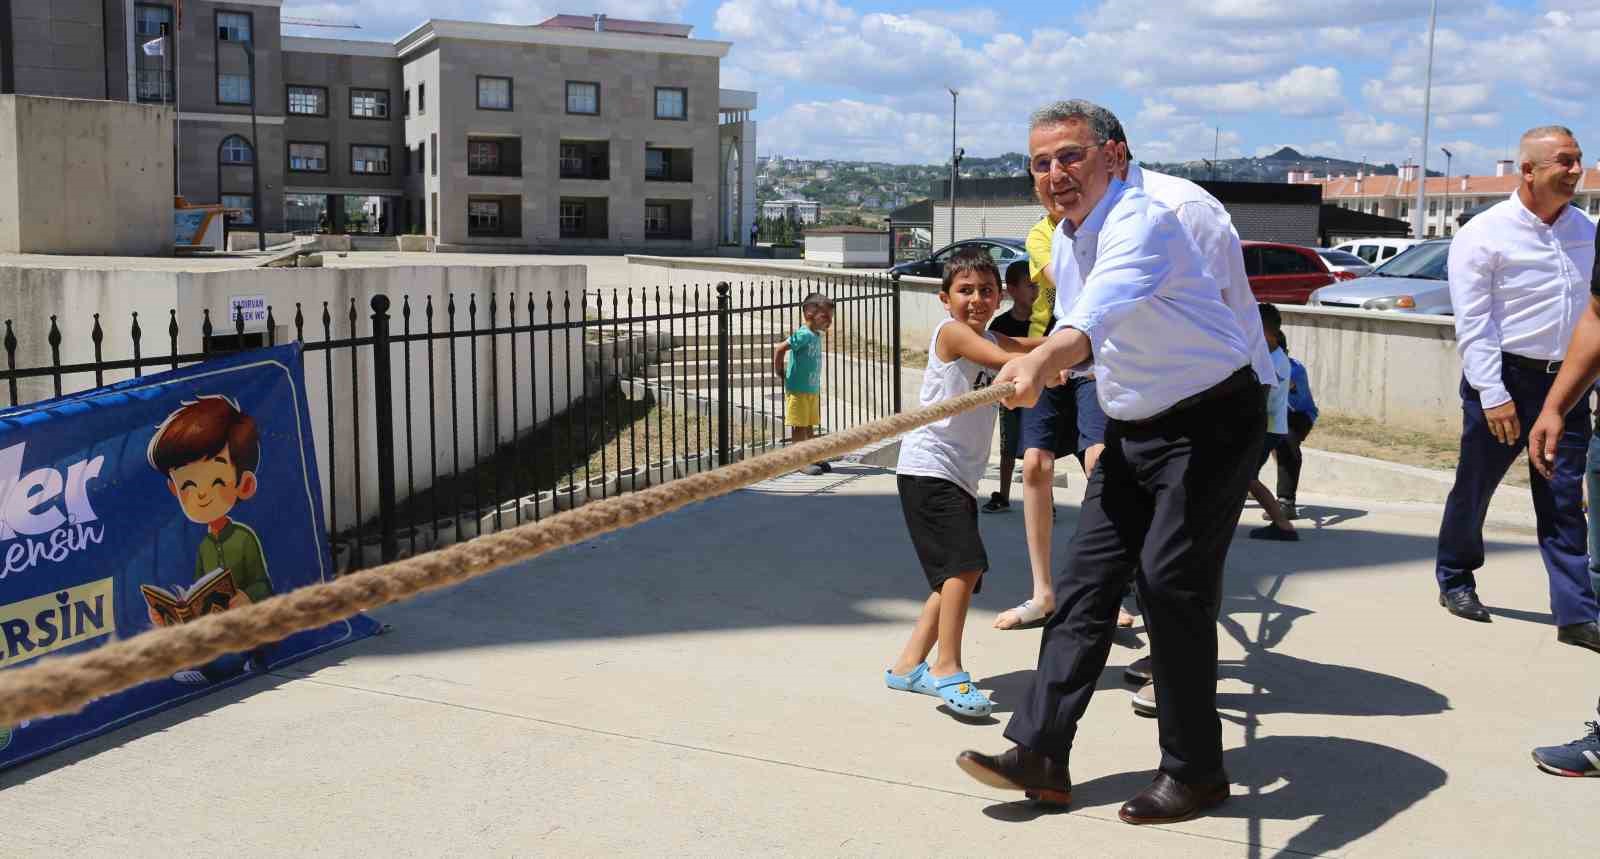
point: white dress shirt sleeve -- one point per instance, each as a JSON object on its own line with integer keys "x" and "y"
{"x": 1128, "y": 269}
{"x": 1472, "y": 268}
{"x": 1219, "y": 246}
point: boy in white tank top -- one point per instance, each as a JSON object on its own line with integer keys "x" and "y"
{"x": 939, "y": 468}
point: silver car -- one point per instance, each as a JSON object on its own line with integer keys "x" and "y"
{"x": 1416, "y": 281}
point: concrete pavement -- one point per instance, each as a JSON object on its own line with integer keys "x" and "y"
{"x": 710, "y": 683}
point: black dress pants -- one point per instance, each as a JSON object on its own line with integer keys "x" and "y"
{"x": 1164, "y": 501}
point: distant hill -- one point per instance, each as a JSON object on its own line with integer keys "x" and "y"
{"x": 868, "y": 187}
{"x": 1272, "y": 168}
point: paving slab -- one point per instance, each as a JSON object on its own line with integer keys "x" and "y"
{"x": 710, "y": 683}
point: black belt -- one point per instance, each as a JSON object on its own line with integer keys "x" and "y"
{"x": 1242, "y": 379}
{"x": 1537, "y": 365}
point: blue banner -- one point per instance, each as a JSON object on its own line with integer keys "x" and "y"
{"x": 155, "y": 501}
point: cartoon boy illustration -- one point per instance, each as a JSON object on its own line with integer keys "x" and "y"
{"x": 209, "y": 451}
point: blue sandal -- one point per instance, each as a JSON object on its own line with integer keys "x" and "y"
{"x": 962, "y": 696}
{"x": 916, "y": 680}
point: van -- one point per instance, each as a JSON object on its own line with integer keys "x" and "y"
{"x": 1376, "y": 251}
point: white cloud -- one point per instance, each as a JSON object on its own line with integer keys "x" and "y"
{"x": 1304, "y": 91}
{"x": 868, "y": 132}
{"x": 1392, "y": 98}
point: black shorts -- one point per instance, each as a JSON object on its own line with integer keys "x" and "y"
{"x": 1011, "y": 432}
{"x": 943, "y": 521}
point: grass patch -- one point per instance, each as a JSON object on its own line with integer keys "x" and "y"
{"x": 1367, "y": 437}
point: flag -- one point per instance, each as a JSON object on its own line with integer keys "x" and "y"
{"x": 156, "y": 47}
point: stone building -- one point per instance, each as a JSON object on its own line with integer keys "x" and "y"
{"x": 577, "y": 133}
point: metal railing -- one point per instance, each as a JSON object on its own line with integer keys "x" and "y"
{"x": 439, "y": 421}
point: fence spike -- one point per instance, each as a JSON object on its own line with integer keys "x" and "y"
{"x": 327, "y": 322}
{"x": 205, "y": 327}
{"x": 429, "y": 311}
{"x": 11, "y": 338}
{"x": 353, "y": 316}
{"x": 272, "y": 328}
{"x": 97, "y": 334}
{"x": 299, "y": 323}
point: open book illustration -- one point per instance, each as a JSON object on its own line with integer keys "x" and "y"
{"x": 180, "y": 604}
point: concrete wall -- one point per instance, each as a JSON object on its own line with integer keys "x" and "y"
{"x": 30, "y": 296}
{"x": 994, "y": 219}
{"x": 1399, "y": 369}
{"x": 60, "y": 47}
{"x": 848, "y": 250}
{"x": 84, "y": 177}
{"x": 1267, "y": 222}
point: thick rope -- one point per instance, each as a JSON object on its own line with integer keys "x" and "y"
{"x": 69, "y": 683}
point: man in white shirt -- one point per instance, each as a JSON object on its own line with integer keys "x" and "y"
{"x": 1187, "y": 419}
{"x": 1519, "y": 277}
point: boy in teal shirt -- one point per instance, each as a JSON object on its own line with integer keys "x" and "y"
{"x": 802, "y": 377}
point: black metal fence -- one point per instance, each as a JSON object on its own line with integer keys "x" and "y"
{"x": 437, "y": 421}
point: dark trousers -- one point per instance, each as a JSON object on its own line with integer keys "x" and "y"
{"x": 1289, "y": 457}
{"x": 1164, "y": 501}
{"x": 1557, "y": 503}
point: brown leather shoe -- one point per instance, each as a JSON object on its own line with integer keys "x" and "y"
{"x": 1168, "y": 800}
{"x": 1037, "y": 776}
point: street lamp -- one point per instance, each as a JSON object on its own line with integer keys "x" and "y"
{"x": 1447, "y": 156}
{"x": 255, "y": 138}
{"x": 955, "y": 160}
{"x": 1427, "y": 107}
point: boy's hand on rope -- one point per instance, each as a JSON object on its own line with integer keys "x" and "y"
{"x": 1027, "y": 374}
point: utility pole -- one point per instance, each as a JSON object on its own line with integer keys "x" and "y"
{"x": 249, "y": 47}
{"x": 1447, "y": 156}
{"x": 955, "y": 161}
{"x": 1427, "y": 107}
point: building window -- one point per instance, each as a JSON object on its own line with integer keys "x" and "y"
{"x": 657, "y": 219}
{"x": 369, "y": 104}
{"x": 572, "y": 161}
{"x": 1594, "y": 205}
{"x": 1405, "y": 210}
{"x": 233, "y": 26}
{"x": 494, "y": 93}
{"x": 657, "y": 163}
{"x": 233, "y": 89}
{"x": 422, "y": 160}
{"x": 148, "y": 22}
{"x": 483, "y": 217}
{"x": 308, "y": 100}
{"x": 668, "y": 165}
{"x": 433, "y": 166}
{"x": 305, "y": 213}
{"x": 583, "y": 97}
{"x": 1433, "y": 208}
{"x": 236, "y": 150}
{"x": 308, "y": 157}
{"x": 672, "y": 103}
{"x": 585, "y": 159}
{"x": 422, "y": 98}
{"x": 369, "y": 160}
{"x": 483, "y": 156}
{"x": 405, "y": 107}
{"x": 573, "y": 218}
{"x": 245, "y": 204}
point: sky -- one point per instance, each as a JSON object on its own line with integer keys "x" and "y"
{"x": 868, "y": 79}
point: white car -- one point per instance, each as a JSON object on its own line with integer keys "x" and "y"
{"x": 1345, "y": 266}
{"x": 1376, "y": 251}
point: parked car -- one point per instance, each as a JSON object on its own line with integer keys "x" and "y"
{"x": 1284, "y": 274}
{"x": 1377, "y": 251}
{"x": 1345, "y": 266}
{"x": 1003, "y": 251}
{"x": 1416, "y": 281}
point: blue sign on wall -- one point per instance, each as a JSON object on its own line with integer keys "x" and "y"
{"x": 154, "y": 501}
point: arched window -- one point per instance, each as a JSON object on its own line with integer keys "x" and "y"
{"x": 236, "y": 150}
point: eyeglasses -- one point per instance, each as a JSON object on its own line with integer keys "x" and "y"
{"x": 1066, "y": 158}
